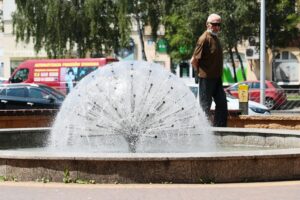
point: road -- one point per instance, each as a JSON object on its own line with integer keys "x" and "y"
{"x": 241, "y": 191}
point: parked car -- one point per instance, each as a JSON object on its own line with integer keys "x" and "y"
{"x": 274, "y": 94}
{"x": 29, "y": 96}
{"x": 254, "y": 108}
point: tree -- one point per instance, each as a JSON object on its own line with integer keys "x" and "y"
{"x": 184, "y": 22}
{"x": 282, "y": 19}
{"x": 101, "y": 26}
{"x": 124, "y": 22}
{"x": 28, "y": 20}
{"x": 179, "y": 37}
{"x": 239, "y": 21}
{"x": 62, "y": 25}
{"x": 144, "y": 12}
{"x": 104, "y": 24}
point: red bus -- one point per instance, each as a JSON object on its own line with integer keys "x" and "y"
{"x": 61, "y": 74}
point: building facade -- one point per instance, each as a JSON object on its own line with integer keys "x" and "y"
{"x": 12, "y": 53}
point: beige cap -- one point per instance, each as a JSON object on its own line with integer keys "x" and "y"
{"x": 214, "y": 18}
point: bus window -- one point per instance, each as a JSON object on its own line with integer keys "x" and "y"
{"x": 20, "y": 76}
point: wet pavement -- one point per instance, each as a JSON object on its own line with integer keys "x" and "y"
{"x": 289, "y": 190}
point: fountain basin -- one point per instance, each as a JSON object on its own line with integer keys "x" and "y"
{"x": 281, "y": 161}
{"x": 45, "y": 117}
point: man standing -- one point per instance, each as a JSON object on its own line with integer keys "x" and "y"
{"x": 207, "y": 60}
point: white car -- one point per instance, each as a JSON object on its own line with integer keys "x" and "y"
{"x": 2, "y": 80}
{"x": 254, "y": 108}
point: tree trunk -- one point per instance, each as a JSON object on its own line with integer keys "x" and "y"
{"x": 241, "y": 62}
{"x": 140, "y": 31}
{"x": 233, "y": 65}
{"x": 273, "y": 63}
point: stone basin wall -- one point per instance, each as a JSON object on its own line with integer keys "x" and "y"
{"x": 45, "y": 118}
{"x": 291, "y": 122}
{"x": 27, "y": 118}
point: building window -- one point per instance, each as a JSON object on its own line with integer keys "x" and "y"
{"x": 286, "y": 68}
{"x": 285, "y": 55}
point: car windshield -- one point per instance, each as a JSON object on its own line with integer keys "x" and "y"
{"x": 275, "y": 85}
{"x": 54, "y": 92}
{"x": 230, "y": 96}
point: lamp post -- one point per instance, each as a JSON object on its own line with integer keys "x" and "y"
{"x": 262, "y": 50}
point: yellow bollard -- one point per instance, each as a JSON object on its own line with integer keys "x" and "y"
{"x": 243, "y": 98}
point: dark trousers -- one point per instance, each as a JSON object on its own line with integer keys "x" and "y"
{"x": 212, "y": 89}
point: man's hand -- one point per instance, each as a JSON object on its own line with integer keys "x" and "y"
{"x": 194, "y": 63}
{"x": 196, "y": 76}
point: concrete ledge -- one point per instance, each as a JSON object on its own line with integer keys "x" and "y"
{"x": 166, "y": 169}
{"x": 24, "y": 118}
{"x": 266, "y": 138}
{"x": 218, "y": 167}
{"x": 45, "y": 118}
{"x": 28, "y": 112}
{"x": 265, "y": 121}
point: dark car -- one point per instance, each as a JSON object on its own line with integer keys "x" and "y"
{"x": 274, "y": 94}
{"x": 29, "y": 96}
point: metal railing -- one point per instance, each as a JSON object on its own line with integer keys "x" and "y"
{"x": 291, "y": 104}
{"x": 293, "y": 100}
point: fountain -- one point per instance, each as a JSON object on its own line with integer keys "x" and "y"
{"x": 132, "y": 107}
{"x": 134, "y": 122}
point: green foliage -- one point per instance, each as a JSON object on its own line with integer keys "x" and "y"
{"x": 91, "y": 26}
{"x": 179, "y": 36}
{"x": 240, "y": 20}
{"x": 145, "y": 12}
{"x": 124, "y": 22}
{"x": 3, "y": 178}
{"x": 184, "y": 22}
{"x": 82, "y": 181}
{"x": 56, "y": 28}
{"x": 154, "y": 13}
{"x": 43, "y": 180}
{"x": 101, "y": 26}
{"x": 14, "y": 179}
{"x": 59, "y": 26}
{"x": 103, "y": 18}
{"x": 281, "y": 23}
{"x": 207, "y": 180}
{"x": 67, "y": 178}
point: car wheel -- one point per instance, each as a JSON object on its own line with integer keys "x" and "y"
{"x": 269, "y": 103}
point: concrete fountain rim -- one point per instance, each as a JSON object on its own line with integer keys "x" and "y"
{"x": 282, "y": 153}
